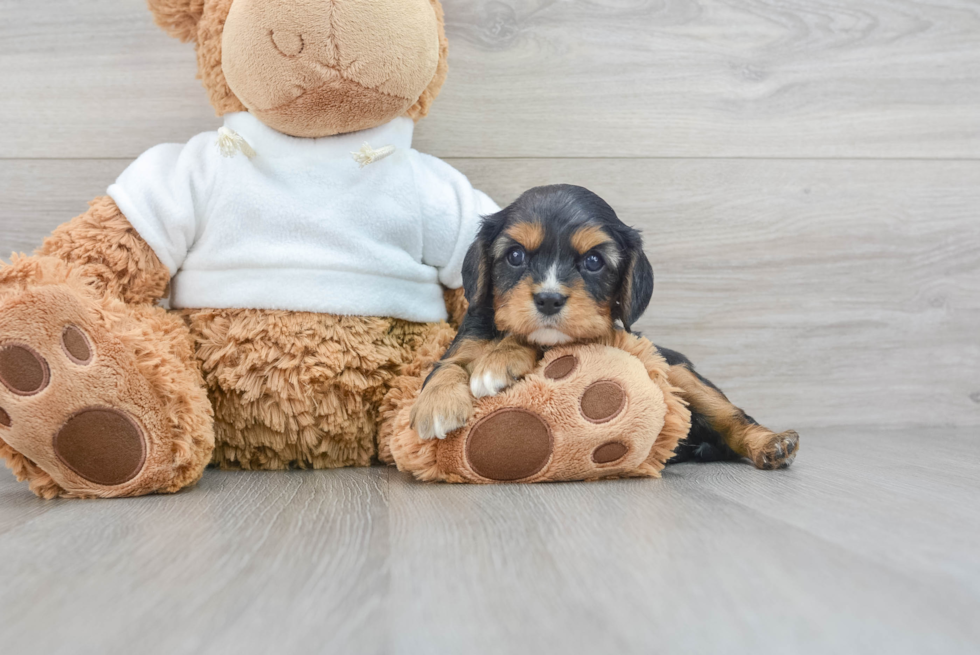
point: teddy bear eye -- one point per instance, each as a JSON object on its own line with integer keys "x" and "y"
{"x": 593, "y": 262}
{"x": 515, "y": 256}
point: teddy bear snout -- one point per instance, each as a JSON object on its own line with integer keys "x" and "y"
{"x": 356, "y": 64}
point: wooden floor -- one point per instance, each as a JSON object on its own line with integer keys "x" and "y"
{"x": 807, "y": 175}
{"x": 869, "y": 544}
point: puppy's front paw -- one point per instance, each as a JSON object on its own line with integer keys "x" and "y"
{"x": 489, "y": 382}
{"x": 441, "y": 408}
{"x": 500, "y": 368}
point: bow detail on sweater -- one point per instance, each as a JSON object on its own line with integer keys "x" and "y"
{"x": 230, "y": 143}
{"x": 368, "y": 155}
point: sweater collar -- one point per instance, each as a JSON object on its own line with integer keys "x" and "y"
{"x": 267, "y": 142}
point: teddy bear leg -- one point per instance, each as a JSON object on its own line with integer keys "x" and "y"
{"x": 98, "y": 398}
{"x": 587, "y": 412}
{"x": 404, "y": 388}
{"x": 297, "y": 389}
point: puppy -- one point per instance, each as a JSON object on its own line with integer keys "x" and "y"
{"x": 558, "y": 266}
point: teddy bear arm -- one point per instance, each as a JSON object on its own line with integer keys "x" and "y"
{"x": 456, "y": 305}
{"x": 110, "y": 254}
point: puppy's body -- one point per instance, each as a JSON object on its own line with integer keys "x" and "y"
{"x": 558, "y": 266}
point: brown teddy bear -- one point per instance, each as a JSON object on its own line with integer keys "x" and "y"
{"x": 306, "y": 250}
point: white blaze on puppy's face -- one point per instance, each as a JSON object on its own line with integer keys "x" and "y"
{"x": 550, "y": 284}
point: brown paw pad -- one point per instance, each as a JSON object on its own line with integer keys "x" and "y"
{"x": 561, "y": 368}
{"x": 76, "y": 345}
{"x": 509, "y": 444}
{"x": 22, "y": 370}
{"x": 102, "y": 445}
{"x": 609, "y": 452}
{"x": 603, "y": 401}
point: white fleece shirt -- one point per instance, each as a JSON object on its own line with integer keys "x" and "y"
{"x": 300, "y": 225}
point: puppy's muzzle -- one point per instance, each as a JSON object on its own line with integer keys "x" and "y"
{"x": 549, "y": 303}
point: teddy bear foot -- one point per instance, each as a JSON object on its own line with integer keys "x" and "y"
{"x": 78, "y": 417}
{"x": 587, "y": 412}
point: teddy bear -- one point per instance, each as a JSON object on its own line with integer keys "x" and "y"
{"x": 311, "y": 260}
{"x": 301, "y": 277}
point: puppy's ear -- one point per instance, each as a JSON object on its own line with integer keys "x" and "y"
{"x": 476, "y": 271}
{"x": 478, "y": 263}
{"x": 636, "y": 286}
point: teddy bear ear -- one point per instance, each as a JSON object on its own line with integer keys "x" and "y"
{"x": 178, "y": 18}
{"x": 421, "y": 106}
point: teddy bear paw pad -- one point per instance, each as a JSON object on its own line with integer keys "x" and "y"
{"x": 609, "y": 452}
{"x": 509, "y": 444}
{"x": 102, "y": 445}
{"x": 70, "y": 394}
{"x": 22, "y": 370}
{"x": 602, "y": 401}
{"x": 561, "y": 367}
{"x": 76, "y": 345}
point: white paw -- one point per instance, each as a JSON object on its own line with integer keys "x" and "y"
{"x": 439, "y": 427}
{"x": 487, "y": 383}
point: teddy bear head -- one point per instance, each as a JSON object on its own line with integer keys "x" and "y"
{"x": 313, "y": 68}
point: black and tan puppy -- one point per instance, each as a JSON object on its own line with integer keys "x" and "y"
{"x": 558, "y": 266}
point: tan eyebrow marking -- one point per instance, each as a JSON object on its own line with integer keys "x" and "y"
{"x": 586, "y": 238}
{"x": 529, "y": 235}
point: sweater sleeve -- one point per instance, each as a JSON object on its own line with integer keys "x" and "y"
{"x": 451, "y": 214}
{"x": 162, "y": 194}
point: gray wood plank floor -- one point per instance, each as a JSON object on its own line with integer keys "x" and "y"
{"x": 869, "y": 544}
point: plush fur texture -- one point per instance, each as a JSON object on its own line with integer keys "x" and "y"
{"x": 295, "y": 389}
{"x": 648, "y": 427}
{"x": 107, "y": 252}
{"x": 178, "y": 18}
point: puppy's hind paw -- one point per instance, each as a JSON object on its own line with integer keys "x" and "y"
{"x": 779, "y": 452}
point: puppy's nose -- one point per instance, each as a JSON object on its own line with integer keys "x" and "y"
{"x": 549, "y": 303}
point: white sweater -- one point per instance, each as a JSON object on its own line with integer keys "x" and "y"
{"x": 300, "y": 225}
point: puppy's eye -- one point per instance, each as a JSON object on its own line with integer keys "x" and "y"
{"x": 515, "y": 256}
{"x": 593, "y": 262}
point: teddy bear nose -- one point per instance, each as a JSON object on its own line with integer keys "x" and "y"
{"x": 549, "y": 303}
{"x": 289, "y": 44}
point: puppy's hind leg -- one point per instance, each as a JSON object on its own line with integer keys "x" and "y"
{"x": 719, "y": 429}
